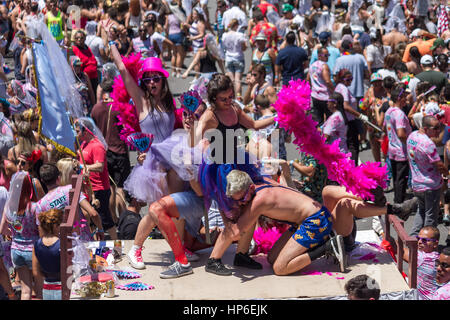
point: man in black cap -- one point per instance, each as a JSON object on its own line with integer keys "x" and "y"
{"x": 325, "y": 41}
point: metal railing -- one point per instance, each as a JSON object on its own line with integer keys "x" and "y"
{"x": 71, "y": 215}
{"x": 403, "y": 239}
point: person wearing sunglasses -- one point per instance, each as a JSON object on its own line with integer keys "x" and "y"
{"x": 313, "y": 223}
{"x": 87, "y": 58}
{"x": 427, "y": 254}
{"x": 426, "y": 169}
{"x": 30, "y": 162}
{"x": 186, "y": 207}
{"x": 443, "y": 275}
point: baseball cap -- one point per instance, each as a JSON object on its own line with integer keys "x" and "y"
{"x": 415, "y": 33}
{"x": 287, "y": 8}
{"x": 439, "y": 42}
{"x": 324, "y": 35}
{"x": 261, "y": 36}
{"x": 426, "y": 59}
{"x": 376, "y": 77}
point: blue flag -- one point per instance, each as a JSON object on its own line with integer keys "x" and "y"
{"x": 54, "y": 122}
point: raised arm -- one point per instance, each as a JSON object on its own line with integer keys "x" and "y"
{"x": 133, "y": 89}
{"x": 249, "y": 123}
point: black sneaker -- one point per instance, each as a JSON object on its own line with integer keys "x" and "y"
{"x": 216, "y": 266}
{"x": 380, "y": 199}
{"x": 335, "y": 249}
{"x": 244, "y": 260}
{"x": 403, "y": 210}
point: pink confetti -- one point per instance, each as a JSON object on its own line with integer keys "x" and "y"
{"x": 340, "y": 278}
{"x": 329, "y": 273}
{"x": 312, "y": 273}
{"x": 368, "y": 256}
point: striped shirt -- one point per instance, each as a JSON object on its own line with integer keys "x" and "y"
{"x": 426, "y": 274}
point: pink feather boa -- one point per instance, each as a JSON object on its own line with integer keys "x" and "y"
{"x": 265, "y": 239}
{"x": 292, "y": 106}
{"x": 127, "y": 116}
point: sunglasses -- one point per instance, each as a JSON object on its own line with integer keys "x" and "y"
{"x": 348, "y": 79}
{"x": 230, "y": 98}
{"x": 21, "y": 162}
{"x": 324, "y": 55}
{"x": 443, "y": 265}
{"x": 154, "y": 79}
{"x": 254, "y": 75}
{"x": 245, "y": 198}
{"x": 188, "y": 114}
{"x": 425, "y": 239}
{"x": 435, "y": 128}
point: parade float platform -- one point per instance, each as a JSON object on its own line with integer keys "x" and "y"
{"x": 320, "y": 280}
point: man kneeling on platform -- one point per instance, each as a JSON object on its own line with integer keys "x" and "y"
{"x": 317, "y": 229}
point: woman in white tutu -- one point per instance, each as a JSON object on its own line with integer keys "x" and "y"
{"x": 148, "y": 127}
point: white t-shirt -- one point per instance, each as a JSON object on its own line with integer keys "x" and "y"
{"x": 159, "y": 38}
{"x": 234, "y": 13}
{"x": 374, "y": 55}
{"x": 95, "y": 43}
{"x": 232, "y": 45}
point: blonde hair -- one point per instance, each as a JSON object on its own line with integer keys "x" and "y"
{"x": 66, "y": 167}
{"x": 237, "y": 181}
{"x": 50, "y": 219}
{"x": 233, "y": 23}
{"x": 25, "y": 137}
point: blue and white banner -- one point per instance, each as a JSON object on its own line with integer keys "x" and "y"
{"x": 54, "y": 122}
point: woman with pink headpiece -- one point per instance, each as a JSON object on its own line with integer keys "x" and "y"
{"x": 154, "y": 118}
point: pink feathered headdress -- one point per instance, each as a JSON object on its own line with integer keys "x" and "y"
{"x": 292, "y": 106}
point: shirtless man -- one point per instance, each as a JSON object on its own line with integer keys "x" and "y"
{"x": 393, "y": 38}
{"x": 314, "y": 222}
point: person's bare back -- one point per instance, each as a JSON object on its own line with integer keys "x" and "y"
{"x": 279, "y": 203}
{"x": 393, "y": 38}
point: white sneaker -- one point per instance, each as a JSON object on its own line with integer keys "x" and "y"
{"x": 135, "y": 258}
{"x": 191, "y": 257}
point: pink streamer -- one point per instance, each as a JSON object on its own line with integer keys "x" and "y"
{"x": 292, "y": 107}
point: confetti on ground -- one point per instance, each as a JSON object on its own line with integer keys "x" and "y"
{"x": 135, "y": 286}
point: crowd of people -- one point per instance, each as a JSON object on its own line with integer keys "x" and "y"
{"x": 378, "y": 73}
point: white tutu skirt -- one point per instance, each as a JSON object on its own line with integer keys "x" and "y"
{"x": 148, "y": 182}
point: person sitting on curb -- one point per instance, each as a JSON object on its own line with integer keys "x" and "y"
{"x": 427, "y": 254}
